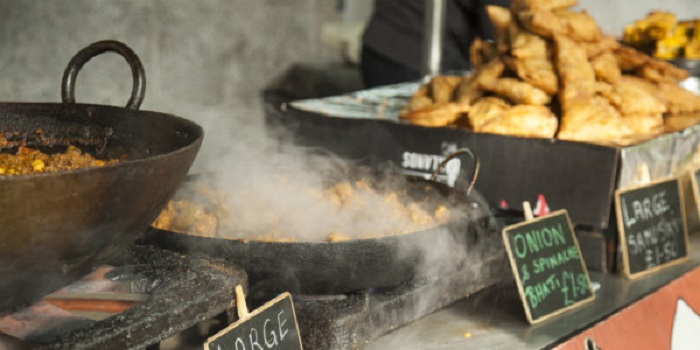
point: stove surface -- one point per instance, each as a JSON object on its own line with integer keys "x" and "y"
{"x": 148, "y": 296}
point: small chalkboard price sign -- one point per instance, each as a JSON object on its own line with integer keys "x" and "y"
{"x": 546, "y": 261}
{"x": 272, "y": 326}
{"x": 651, "y": 226}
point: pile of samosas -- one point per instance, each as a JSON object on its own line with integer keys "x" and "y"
{"x": 551, "y": 72}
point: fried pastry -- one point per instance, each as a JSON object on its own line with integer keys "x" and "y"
{"x": 540, "y": 5}
{"x": 468, "y": 91}
{"x": 528, "y": 45}
{"x": 442, "y": 87}
{"x": 642, "y": 111}
{"x": 539, "y": 72}
{"x": 544, "y": 23}
{"x": 630, "y": 98}
{"x": 678, "y": 99}
{"x": 500, "y": 18}
{"x": 594, "y": 120}
{"x": 481, "y": 52}
{"x": 579, "y": 26}
{"x": 531, "y": 61}
{"x": 630, "y": 59}
{"x": 645, "y": 125}
{"x": 435, "y": 115}
{"x": 660, "y": 71}
{"x": 595, "y": 48}
{"x": 484, "y": 110}
{"x": 575, "y": 72}
{"x": 517, "y": 91}
{"x": 680, "y": 121}
{"x": 648, "y": 86}
{"x": 431, "y": 104}
{"x": 606, "y": 68}
{"x": 523, "y": 121}
{"x": 488, "y": 73}
{"x": 420, "y": 99}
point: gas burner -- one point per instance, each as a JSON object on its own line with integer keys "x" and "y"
{"x": 355, "y": 321}
{"x": 135, "y": 303}
{"x": 352, "y": 320}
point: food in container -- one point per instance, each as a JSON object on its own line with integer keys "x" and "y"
{"x": 661, "y": 34}
{"x": 552, "y": 73}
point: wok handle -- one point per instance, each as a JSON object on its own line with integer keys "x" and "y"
{"x": 457, "y": 153}
{"x": 83, "y": 56}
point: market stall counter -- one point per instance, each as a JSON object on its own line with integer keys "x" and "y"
{"x": 494, "y": 318}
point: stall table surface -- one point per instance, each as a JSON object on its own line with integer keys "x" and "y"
{"x": 494, "y": 318}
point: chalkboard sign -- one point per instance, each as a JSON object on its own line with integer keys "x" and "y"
{"x": 652, "y": 228}
{"x": 547, "y": 264}
{"x": 272, "y": 326}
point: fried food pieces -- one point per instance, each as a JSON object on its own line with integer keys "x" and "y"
{"x": 531, "y": 61}
{"x": 576, "y": 73}
{"x": 661, "y": 34}
{"x": 551, "y": 72}
{"x": 29, "y": 161}
{"x": 594, "y": 120}
{"x": 523, "y": 121}
{"x": 201, "y": 210}
{"x": 496, "y": 116}
{"x": 431, "y": 106}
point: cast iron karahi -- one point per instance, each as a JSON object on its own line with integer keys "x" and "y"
{"x": 347, "y": 266}
{"x": 54, "y": 227}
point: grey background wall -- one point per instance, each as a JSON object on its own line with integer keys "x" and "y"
{"x": 206, "y": 60}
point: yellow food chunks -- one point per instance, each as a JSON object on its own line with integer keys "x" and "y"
{"x": 671, "y": 46}
{"x": 657, "y": 25}
{"x": 664, "y": 36}
{"x": 38, "y": 165}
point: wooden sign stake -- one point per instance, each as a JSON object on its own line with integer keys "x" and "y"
{"x": 527, "y": 210}
{"x": 643, "y": 175}
{"x": 241, "y": 305}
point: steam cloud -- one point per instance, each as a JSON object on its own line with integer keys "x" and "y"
{"x": 273, "y": 189}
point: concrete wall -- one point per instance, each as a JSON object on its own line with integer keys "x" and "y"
{"x": 205, "y": 60}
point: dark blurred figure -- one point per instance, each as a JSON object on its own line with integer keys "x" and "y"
{"x": 393, "y": 41}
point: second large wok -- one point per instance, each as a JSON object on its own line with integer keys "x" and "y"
{"x": 358, "y": 264}
{"x": 54, "y": 227}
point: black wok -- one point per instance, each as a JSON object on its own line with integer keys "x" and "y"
{"x": 346, "y": 266}
{"x": 54, "y": 227}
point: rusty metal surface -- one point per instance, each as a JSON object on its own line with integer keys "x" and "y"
{"x": 182, "y": 289}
